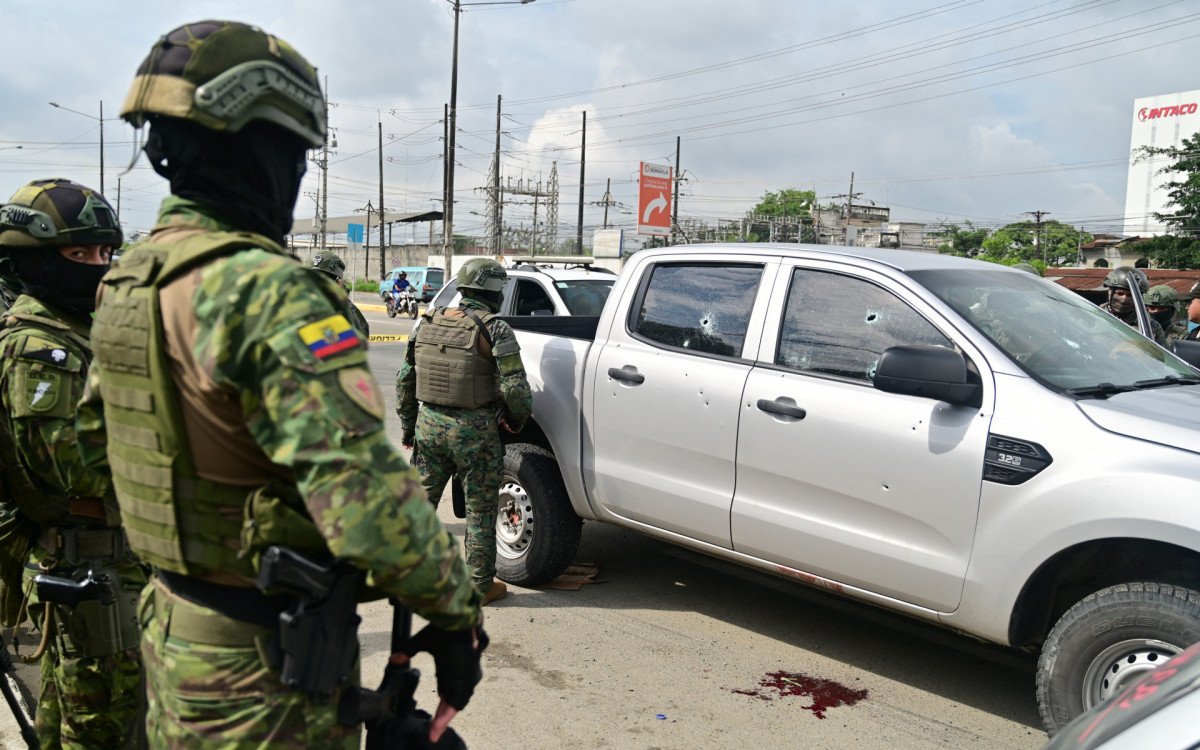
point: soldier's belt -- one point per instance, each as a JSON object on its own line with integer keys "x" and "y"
{"x": 192, "y": 622}
{"x": 73, "y": 545}
{"x": 247, "y": 607}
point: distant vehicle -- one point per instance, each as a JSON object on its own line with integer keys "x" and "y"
{"x": 950, "y": 439}
{"x": 427, "y": 281}
{"x": 547, "y": 286}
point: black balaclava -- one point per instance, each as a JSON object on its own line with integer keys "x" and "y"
{"x": 249, "y": 179}
{"x": 493, "y": 300}
{"x": 45, "y": 274}
{"x": 1123, "y": 309}
{"x": 1164, "y": 317}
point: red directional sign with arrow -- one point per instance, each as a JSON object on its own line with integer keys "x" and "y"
{"x": 654, "y": 199}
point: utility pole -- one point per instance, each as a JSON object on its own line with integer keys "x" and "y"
{"x": 102, "y": 147}
{"x": 118, "y": 201}
{"x": 1037, "y": 232}
{"x": 582, "y": 163}
{"x": 447, "y": 239}
{"x": 325, "y": 170}
{"x": 607, "y": 199}
{"x": 451, "y": 125}
{"x": 675, "y": 201}
{"x": 849, "y": 205}
{"x": 497, "y": 246}
{"x": 534, "y": 240}
{"x": 1078, "y": 245}
{"x": 382, "y": 218}
{"x": 367, "y": 242}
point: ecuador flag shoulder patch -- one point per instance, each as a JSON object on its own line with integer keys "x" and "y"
{"x": 329, "y": 336}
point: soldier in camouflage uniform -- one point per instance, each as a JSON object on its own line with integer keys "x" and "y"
{"x": 238, "y": 411}
{"x": 1120, "y": 302}
{"x": 464, "y": 366}
{"x": 59, "y": 517}
{"x": 335, "y": 268}
{"x": 1193, "y": 312}
{"x": 1162, "y": 304}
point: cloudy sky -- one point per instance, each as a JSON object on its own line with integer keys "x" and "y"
{"x": 973, "y": 110}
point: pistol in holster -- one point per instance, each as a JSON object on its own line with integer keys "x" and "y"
{"x": 96, "y": 616}
{"x": 318, "y": 633}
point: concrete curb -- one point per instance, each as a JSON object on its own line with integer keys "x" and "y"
{"x": 371, "y": 308}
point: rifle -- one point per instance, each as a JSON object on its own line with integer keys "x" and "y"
{"x": 390, "y": 713}
{"x": 15, "y": 703}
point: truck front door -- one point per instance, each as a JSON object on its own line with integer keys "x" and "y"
{"x": 838, "y": 479}
{"x": 668, "y": 383}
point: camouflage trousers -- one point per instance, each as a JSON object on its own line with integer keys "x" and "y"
{"x": 465, "y": 442}
{"x": 208, "y": 684}
{"x": 86, "y": 701}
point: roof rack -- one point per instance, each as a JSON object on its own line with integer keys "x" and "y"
{"x": 537, "y": 262}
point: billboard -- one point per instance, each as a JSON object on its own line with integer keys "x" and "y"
{"x": 1161, "y": 121}
{"x": 654, "y": 199}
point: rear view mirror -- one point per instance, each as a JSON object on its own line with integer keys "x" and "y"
{"x": 927, "y": 371}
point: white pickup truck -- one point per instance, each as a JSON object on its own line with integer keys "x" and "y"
{"x": 958, "y": 441}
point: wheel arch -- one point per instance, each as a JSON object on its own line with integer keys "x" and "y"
{"x": 1084, "y": 568}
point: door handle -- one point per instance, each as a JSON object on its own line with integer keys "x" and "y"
{"x": 783, "y": 410}
{"x": 626, "y": 376}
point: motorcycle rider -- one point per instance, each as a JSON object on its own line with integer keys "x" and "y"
{"x": 400, "y": 285}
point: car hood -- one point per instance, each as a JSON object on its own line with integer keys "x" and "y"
{"x": 1169, "y": 416}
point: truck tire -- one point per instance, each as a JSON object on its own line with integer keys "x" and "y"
{"x": 1107, "y": 641}
{"x": 537, "y": 531}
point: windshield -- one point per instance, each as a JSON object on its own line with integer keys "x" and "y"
{"x": 584, "y": 296}
{"x": 1054, "y": 334}
{"x": 433, "y": 276}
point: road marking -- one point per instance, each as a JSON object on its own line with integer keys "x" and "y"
{"x": 388, "y": 338}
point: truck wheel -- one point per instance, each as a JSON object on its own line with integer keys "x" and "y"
{"x": 537, "y": 531}
{"x": 1107, "y": 641}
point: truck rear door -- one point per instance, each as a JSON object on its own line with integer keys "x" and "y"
{"x": 668, "y": 384}
{"x": 838, "y": 479}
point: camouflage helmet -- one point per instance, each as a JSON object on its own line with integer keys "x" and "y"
{"x": 1160, "y": 296}
{"x": 58, "y": 213}
{"x": 482, "y": 273}
{"x": 223, "y": 74}
{"x": 1027, "y": 268}
{"x": 1118, "y": 278}
{"x": 329, "y": 263}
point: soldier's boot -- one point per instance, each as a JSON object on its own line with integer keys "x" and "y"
{"x": 497, "y": 592}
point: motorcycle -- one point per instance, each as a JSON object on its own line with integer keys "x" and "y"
{"x": 390, "y": 301}
{"x": 407, "y": 303}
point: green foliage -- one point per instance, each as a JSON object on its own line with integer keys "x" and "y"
{"x": 1183, "y": 185}
{"x": 1014, "y": 243}
{"x": 366, "y": 285}
{"x": 1172, "y": 251}
{"x": 965, "y": 240}
{"x": 786, "y": 202}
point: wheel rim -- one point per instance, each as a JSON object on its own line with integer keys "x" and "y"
{"x": 514, "y": 520}
{"x": 1119, "y": 665}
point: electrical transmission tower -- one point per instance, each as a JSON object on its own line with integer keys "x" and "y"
{"x": 545, "y": 196}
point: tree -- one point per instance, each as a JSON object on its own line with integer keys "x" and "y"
{"x": 1183, "y": 189}
{"x": 1170, "y": 251}
{"x": 965, "y": 240}
{"x": 786, "y": 202}
{"x": 1017, "y": 243}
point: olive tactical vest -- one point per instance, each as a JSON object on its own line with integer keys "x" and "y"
{"x": 16, "y": 485}
{"x": 173, "y": 519}
{"x": 452, "y": 369}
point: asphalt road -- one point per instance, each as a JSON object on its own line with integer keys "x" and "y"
{"x": 671, "y": 649}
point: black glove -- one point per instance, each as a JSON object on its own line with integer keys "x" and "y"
{"x": 411, "y": 732}
{"x": 409, "y": 437}
{"x": 455, "y": 658}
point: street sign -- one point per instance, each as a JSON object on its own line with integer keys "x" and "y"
{"x": 354, "y": 237}
{"x": 654, "y": 199}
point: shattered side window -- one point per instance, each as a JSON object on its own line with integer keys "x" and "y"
{"x": 702, "y": 307}
{"x": 839, "y": 326}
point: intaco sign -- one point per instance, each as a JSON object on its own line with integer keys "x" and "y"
{"x": 1154, "y": 113}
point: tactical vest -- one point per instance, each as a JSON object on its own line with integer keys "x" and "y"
{"x": 173, "y": 518}
{"x": 452, "y": 369}
{"x": 16, "y": 485}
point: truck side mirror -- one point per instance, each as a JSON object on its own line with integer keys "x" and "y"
{"x": 927, "y": 371}
{"x": 1188, "y": 351}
